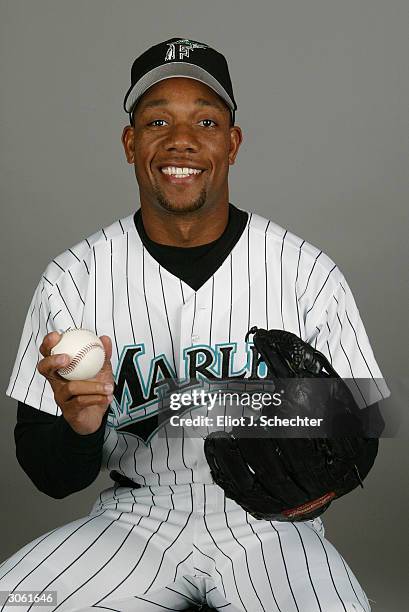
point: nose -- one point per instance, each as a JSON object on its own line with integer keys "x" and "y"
{"x": 181, "y": 138}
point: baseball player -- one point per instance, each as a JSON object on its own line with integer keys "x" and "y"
{"x": 172, "y": 290}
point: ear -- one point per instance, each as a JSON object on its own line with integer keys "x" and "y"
{"x": 128, "y": 142}
{"x": 236, "y": 138}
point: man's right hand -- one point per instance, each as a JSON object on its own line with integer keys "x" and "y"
{"x": 82, "y": 402}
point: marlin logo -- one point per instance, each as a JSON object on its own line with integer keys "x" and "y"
{"x": 181, "y": 49}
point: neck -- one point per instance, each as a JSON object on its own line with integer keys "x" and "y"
{"x": 193, "y": 229}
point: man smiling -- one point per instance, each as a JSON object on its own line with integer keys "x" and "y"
{"x": 181, "y": 144}
{"x": 174, "y": 287}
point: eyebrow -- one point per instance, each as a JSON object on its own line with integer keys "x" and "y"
{"x": 164, "y": 102}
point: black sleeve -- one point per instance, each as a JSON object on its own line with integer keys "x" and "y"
{"x": 58, "y": 460}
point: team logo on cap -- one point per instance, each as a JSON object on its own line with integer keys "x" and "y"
{"x": 181, "y": 48}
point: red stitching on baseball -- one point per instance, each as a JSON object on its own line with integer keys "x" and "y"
{"x": 78, "y": 357}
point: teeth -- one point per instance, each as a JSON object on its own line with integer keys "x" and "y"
{"x": 173, "y": 171}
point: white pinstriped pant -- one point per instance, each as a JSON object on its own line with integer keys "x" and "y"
{"x": 166, "y": 547}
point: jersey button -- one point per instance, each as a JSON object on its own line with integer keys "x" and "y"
{"x": 195, "y": 338}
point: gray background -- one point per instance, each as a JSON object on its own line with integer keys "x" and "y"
{"x": 322, "y": 91}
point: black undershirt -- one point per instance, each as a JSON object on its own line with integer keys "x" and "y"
{"x": 60, "y": 461}
{"x": 195, "y": 265}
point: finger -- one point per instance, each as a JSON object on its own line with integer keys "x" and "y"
{"x": 83, "y": 388}
{"x": 85, "y": 401}
{"x": 49, "y": 341}
{"x": 106, "y": 341}
{"x": 49, "y": 365}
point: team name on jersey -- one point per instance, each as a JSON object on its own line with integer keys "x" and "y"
{"x": 138, "y": 402}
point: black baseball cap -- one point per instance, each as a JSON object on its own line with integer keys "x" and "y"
{"x": 180, "y": 57}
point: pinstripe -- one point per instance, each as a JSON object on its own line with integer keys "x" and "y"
{"x": 231, "y": 294}
{"x": 295, "y": 289}
{"x": 25, "y": 576}
{"x": 114, "y": 495}
{"x": 74, "y": 255}
{"x": 360, "y": 349}
{"x": 181, "y": 291}
{"x": 121, "y": 457}
{"x": 46, "y": 279}
{"x": 36, "y": 337}
{"x": 134, "y": 500}
{"x": 58, "y": 265}
{"x": 224, "y": 554}
{"x": 246, "y": 557}
{"x": 266, "y": 271}
{"x": 92, "y": 543}
{"x": 281, "y": 279}
{"x": 211, "y": 314}
{"x": 184, "y": 595}
{"x": 194, "y": 313}
{"x": 330, "y": 572}
{"x": 329, "y": 350}
{"x": 308, "y": 567}
{"x": 76, "y": 287}
{"x": 285, "y": 566}
{"x": 47, "y": 535}
{"x": 152, "y": 495}
{"x": 350, "y": 582}
{"x": 171, "y": 497}
{"x": 157, "y": 473}
{"x": 167, "y": 320}
{"x": 101, "y": 567}
{"x": 146, "y": 301}
{"x": 264, "y": 562}
{"x": 309, "y": 275}
{"x": 248, "y": 276}
{"x": 214, "y": 561}
{"x": 95, "y": 290}
{"x": 319, "y": 292}
{"x": 113, "y": 299}
{"x": 168, "y": 453}
{"x": 111, "y": 453}
{"x": 65, "y": 304}
{"x": 23, "y": 354}
{"x": 168, "y": 548}
{"x": 105, "y": 608}
{"x": 139, "y": 560}
{"x": 21, "y": 361}
{"x": 180, "y": 563}
{"x": 201, "y": 570}
{"x": 127, "y": 286}
{"x": 56, "y": 314}
{"x": 42, "y": 394}
{"x": 346, "y": 355}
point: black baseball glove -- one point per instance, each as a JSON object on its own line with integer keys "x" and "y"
{"x": 276, "y": 477}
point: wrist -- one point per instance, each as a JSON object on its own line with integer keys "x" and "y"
{"x": 70, "y": 438}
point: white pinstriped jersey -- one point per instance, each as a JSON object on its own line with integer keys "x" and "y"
{"x": 161, "y": 328}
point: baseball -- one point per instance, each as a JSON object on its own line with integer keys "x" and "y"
{"x": 86, "y": 352}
